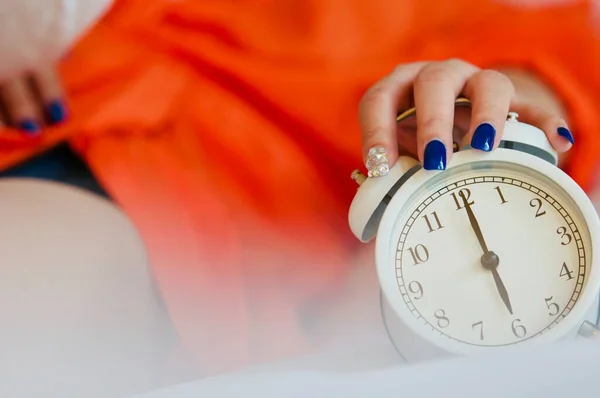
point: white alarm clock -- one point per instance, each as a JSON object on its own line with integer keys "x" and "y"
{"x": 498, "y": 251}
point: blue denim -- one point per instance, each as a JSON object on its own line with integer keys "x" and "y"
{"x": 59, "y": 164}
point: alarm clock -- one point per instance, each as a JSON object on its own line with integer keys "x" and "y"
{"x": 498, "y": 251}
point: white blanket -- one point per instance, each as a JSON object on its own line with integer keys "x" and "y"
{"x": 563, "y": 370}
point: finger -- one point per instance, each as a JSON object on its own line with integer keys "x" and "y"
{"x": 555, "y": 127}
{"x": 51, "y": 94}
{"x": 407, "y": 132}
{"x": 435, "y": 90}
{"x": 377, "y": 116}
{"x": 407, "y": 140}
{"x": 21, "y": 105}
{"x": 491, "y": 94}
{"x": 3, "y": 113}
{"x": 462, "y": 122}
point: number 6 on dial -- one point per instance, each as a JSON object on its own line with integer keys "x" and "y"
{"x": 496, "y": 251}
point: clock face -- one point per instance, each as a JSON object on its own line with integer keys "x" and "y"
{"x": 491, "y": 254}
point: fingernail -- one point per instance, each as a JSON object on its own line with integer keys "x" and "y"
{"x": 29, "y": 126}
{"x": 377, "y": 162}
{"x": 565, "y": 133}
{"x": 435, "y": 156}
{"x": 483, "y": 138}
{"x": 57, "y": 111}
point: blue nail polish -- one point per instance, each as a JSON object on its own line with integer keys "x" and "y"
{"x": 57, "y": 111}
{"x": 565, "y": 133}
{"x": 29, "y": 126}
{"x": 483, "y": 138}
{"x": 435, "y": 156}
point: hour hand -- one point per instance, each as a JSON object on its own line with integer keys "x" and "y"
{"x": 491, "y": 261}
{"x": 502, "y": 290}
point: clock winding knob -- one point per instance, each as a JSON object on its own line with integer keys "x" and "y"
{"x": 374, "y": 194}
{"x": 358, "y": 177}
{"x": 514, "y": 116}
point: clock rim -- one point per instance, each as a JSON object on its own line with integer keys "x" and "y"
{"x": 384, "y": 255}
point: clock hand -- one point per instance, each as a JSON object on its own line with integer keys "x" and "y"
{"x": 502, "y": 290}
{"x": 474, "y": 222}
{"x": 489, "y": 259}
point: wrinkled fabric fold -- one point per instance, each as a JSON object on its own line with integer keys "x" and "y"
{"x": 227, "y": 131}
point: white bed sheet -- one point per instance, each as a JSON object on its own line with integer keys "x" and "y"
{"x": 371, "y": 368}
{"x": 568, "y": 369}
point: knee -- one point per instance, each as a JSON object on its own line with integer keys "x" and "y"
{"x": 75, "y": 289}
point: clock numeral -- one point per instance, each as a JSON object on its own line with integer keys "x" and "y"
{"x": 567, "y": 238}
{"x": 436, "y": 221}
{"x": 518, "y": 330}
{"x": 553, "y": 307}
{"x": 443, "y": 321}
{"x": 502, "y": 200}
{"x": 480, "y": 325}
{"x": 458, "y": 200}
{"x": 415, "y": 288}
{"x": 537, "y": 202}
{"x": 419, "y": 254}
{"x": 565, "y": 271}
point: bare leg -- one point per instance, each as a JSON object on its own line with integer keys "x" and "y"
{"x": 79, "y": 315}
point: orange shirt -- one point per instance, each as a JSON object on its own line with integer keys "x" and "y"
{"x": 227, "y": 131}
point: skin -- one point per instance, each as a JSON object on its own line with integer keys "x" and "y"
{"x": 429, "y": 86}
{"x": 25, "y": 97}
{"x": 432, "y": 88}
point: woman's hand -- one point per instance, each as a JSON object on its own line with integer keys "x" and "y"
{"x": 432, "y": 88}
{"x": 34, "y": 35}
{"x": 31, "y": 101}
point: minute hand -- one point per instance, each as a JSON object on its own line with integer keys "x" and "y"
{"x": 489, "y": 259}
{"x": 474, "y": 223}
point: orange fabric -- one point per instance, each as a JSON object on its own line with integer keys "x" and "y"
{"x": 227, "y": 131}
